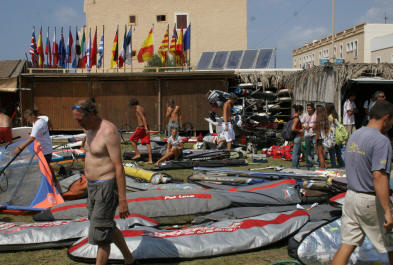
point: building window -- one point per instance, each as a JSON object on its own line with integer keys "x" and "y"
{"x": 320, "y": 55}
{"x": 348, "y": 47}
{"x": 379, "y": 59}
{"x": 351, "y": 45}
{"x": 181, "y": 21}
{"x": 133, "y": 53}
{"x": 326, "y": 53}
{"x": 334, "y": 51}
{"x": 312, "y": 59}
{"x": 132, "y": 19}
{"x": 355, "y": 48}
{"x": 341, "y": 51}
{"x": 161, "y": 18}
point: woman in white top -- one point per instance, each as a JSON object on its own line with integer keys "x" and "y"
{"x": 174, "y": 146}
{"x": 39, "y": 132}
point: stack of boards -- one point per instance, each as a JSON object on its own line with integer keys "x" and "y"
{"x": 278, "y": 100}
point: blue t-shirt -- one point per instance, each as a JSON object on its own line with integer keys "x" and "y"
{"x": 367, "y": 150}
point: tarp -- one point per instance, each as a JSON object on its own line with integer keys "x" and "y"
{"x": 321, "y": 245}
{"x": 24, "y": 236}
{"x": 27, "y": 184}
{"x": 152, "y": 203}
{"x": 230, "y": 236}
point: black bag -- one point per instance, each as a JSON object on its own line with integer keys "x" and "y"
{"x": 287, "y": 132}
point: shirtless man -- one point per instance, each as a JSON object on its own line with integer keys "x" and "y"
{"x": 106, "y": 181}
{"x": 141, "y": 131}
{"x": 173, "y": 114}
{"x": 5, "y": 127}
{"x": 227, "y": 125}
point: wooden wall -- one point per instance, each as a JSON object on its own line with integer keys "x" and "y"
{"x": 54, "y": 94}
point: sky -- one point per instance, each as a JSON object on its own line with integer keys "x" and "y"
{"x": 281, "y": 24}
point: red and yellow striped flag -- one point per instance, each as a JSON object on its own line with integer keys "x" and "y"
{"x": 180, "y": 49}
{"x": 115, "y": 50}
{"x": 163, "y": 50}
{"x": 172, "y": 48}
{"x": 147, "y": 50}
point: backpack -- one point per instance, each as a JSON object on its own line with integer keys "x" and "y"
{"x": 287, "y": 132}
{"x": 329, "y": 140}
{"x": 341, "y": 133}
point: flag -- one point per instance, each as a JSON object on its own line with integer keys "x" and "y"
{"x": 40, "y": 51}
{"x": 172, "y": 48}
{"x": 128, "y": 56}
{"x": 83, "y": 59}
{"x": 115, "y": 51}
{"x": 33, "y": 49}
{"x": 147, "y": 49}
{"x": 88, "y": 58}
{"x": 62, "y": 50}
{"x": 187, "y": 43}
{"x": 48, "y": 51}
{"x": 93, "y": 52}
{"x": 101, "y": 51}
{"x": 75, "y": 62}
{"x": 70, "y": 42}
{"x": 163, "y": 50}
{"x": 179, "y": 49}
{"x": 55, "y": 50}
{"x": 123, "y": 49}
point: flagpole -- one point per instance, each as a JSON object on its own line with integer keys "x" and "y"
{"x": 117, "y": 63}
{"x": 57, "y": 62}
{"x": 95, "y": 34}
{"x": 103, "y": 49}
{"x": 47, "y": 55}
{"x": 189, "y": 59}
{"x": 125, "y": 51}
{"x": 131, "y": 48}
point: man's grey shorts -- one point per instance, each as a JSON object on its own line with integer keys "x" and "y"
{"x": 172, "y": 124}
{"x": 102, "y": 201}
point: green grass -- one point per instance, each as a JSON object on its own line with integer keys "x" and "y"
{"x": 266, "y": 255}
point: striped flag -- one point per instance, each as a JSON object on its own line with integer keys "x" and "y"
{"x": 128, "y": 56}
{"x": 187, "y": 43}
{"x": 33, "y": 49}
{"x": 83, "y": 59}
{"x": 123, "y": 49}
{"x": 163, "y": 50}
{"x": 146, "y": 52}
{"x": 172, "y": 48}
{"x": 100, "y": 51}
{"x": 48, "y": 51}
{"x": 180, "y": 49}
{"x": 40, "y": 51}
{"x": 115, "y": 51}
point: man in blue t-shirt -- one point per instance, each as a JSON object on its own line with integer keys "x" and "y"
{"x": 367, "y": 209}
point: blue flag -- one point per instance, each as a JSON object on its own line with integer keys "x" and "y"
{"x": 187, "y": 38}
{"x": 62, "y": 50}
{"x": 100, "y": 51}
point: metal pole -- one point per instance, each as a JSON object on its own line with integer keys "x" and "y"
{"x": 159, "y": 104}
{"x": 333, "y": 7}
{"x": 103, "y": 49}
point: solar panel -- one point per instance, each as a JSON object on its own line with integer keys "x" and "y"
{"x": 219, "y": 60}
{"x": 234, "y": 59}
{"x": 205, "y": 60}
{"x": 264, "y": 58}
{"x": 239, "y": 59}
{"x": 248, "y": 59}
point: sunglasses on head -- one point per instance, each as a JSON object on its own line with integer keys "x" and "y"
{"x": 76, "y": 107}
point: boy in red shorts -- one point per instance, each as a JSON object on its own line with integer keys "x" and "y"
{"x": 141, "y": 132}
